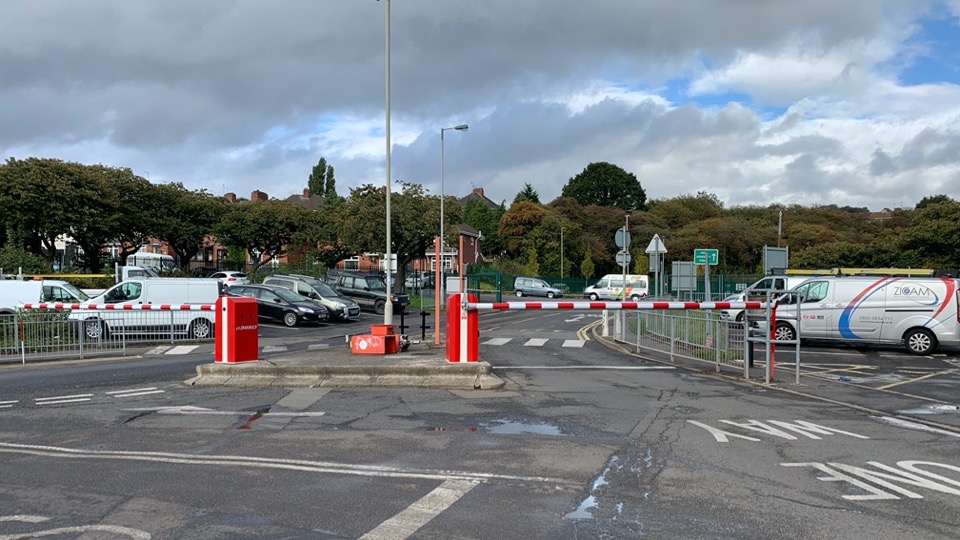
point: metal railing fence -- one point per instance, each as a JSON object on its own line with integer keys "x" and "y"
{"x": 52, "y": 334}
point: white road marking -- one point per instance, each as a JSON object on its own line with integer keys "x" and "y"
{"x": 131, "y": 390}
{"x": 182, "y": 349}
{"x": 9, "y": 402}
{"x": 6, "y": 406}
{"x": 497, "y": 341}
{"x": 316, "y": 346}
{"x": 134, "y": 393}
{"x": 535, "y": 342}
{"x": 914, "y": 425}
{"x": 158, "y": 350}
{"x": 271, "y": 463}
{"x": 418, "y": 514}
{"x": 575, "y": 319}
{"x": 57, "y": 400}
{"x": 200, "y": 410}
{"x": 612, "y": 368}
{"x": 59, "y": 531}
{"x": 274, "y": 348}
{"x": 574, "y": 343}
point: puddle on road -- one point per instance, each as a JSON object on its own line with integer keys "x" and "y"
{"x": 583, "y": 511}
{"x": 511, "y": 428}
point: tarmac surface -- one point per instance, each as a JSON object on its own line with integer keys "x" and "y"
{"x": 425, "y": 366}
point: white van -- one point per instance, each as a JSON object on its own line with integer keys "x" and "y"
{"x": 921, "y": 313}
{"x": 760, "y": 291}
{"x": 13, "y": 293}
{"x": 610, "y": 287}
{"x": 156, "y": 261}
{"x": 137, "y": 292}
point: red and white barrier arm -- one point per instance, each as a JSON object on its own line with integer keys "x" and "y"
{"x": 481, "y": 306}
{"x": 122, "y": 307}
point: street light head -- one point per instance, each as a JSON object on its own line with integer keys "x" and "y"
{"x": 461, "y": 127}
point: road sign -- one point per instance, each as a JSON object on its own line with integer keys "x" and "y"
{"x": 656, "y": 245}
{"x": 622, "y": 238}
{"x": 706, "y": 256}
{"x": 623, "y": 257}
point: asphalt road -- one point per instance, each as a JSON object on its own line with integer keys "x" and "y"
{"x": 582, "y": 443}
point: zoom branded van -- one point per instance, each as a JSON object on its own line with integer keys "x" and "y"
{"x": 920, "y": 313}
{"x": 13, "y": 293}
{"x": 127, "y": 315}
{"x": 610, "y": 287}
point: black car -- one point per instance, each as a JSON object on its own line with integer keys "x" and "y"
{"x": 280, "y": 304}
{"x": 368, "y": 290}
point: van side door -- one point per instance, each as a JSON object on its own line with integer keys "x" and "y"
{"x": 816, "y": 311}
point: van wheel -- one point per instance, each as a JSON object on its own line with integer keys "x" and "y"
{"x": 290, "y": 319}
{"x": 635, "y": 298}
{"x": 740, "y": 317}
{"x": 920, "y": 341}
{"x": 95, "y": 329}
{"x": 784, "y": 332}
{"x": 379, "y": 307}
{"x": 594, "y": 297}
{"x": 200, "y": 329}
{"x": 549, "y": 294}
{"x": 519, "y": 294}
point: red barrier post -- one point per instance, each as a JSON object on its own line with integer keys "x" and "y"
{"x": 236, "y": 330}
{"x": 463, "y": 329}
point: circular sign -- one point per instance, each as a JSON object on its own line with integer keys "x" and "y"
{"x": 623, "y": 257}
{"x": 622, "y": 238}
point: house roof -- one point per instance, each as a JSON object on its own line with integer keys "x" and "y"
{"x": 477, "y": 194}
{"x": 306, "y": 200}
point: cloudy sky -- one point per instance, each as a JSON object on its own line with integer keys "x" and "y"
{"x": 848, "y": 102}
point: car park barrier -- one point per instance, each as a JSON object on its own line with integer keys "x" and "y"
{"x": 463, "y": 334}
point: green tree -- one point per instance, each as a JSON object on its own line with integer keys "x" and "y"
{"x": 415, "y": 220}
{"x": 586, "y": 266}
{"x": 265, "y": 229}
{"x": 517, "y": 224}
{"x": 932, "y": 199}
{"x": 486, "y": 220}
{"x": 533, "y": 267}
{"x": 188, "y": 218}
{"x": 605, "y": 184}
{"x": 527, "y": 194}
{"x": 321, "y": 180}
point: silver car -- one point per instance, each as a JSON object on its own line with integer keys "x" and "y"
{"x": 340, "y": 307}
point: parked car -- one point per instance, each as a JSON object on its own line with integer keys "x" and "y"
{"x": 281, "y": 304}
{"x": 231, "y": 278}
{"x": 419, "y": 280}
{"x": 340, "y": 307}
{"x": 369, "y": 290}
{"x": 531, "y": 286}
{"x": 204, "y": 271}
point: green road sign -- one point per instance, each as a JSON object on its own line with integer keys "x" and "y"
{"x": 706, "y": 256}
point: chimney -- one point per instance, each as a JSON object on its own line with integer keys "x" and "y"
{"x": 258, "y": 195}
{"x": 230, "y": 197}
{"x": 306, "y": 193}
{"x": 478, "y": 191}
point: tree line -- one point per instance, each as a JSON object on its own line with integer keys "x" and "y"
{"x": 95, "y": 205}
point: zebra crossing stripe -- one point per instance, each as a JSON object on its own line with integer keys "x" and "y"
{"x": 497, "y": 341}
{"x": 535, "y": 342}
{"x": 182, "y": 349}
{"x": 575, "y": 343}
{"x": 274, "y": 348}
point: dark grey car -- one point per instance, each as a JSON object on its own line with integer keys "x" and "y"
{"x": 340, "y": 307}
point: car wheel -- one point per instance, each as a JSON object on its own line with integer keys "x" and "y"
{"x": 200, "y": 329}
{"x": 920, "y": 341}
{"x": 740, "y": 317}
{"x": 594, "y": 297}
{"x": 549, "y": 294}
{"x": 289, "y": 319}
{"x": 519, "y": 294}
{"x": 784, "y": 332}
{"x": 95, "y": 329}
{"x": 379, "y": 307}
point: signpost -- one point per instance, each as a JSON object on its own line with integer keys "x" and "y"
{"x": 623, "y": 257}
{"x": 706, "y": 257}
{"x": 656, "y": 248}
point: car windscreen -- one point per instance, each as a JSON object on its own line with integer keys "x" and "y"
{"x": 376, "y": 283}
{"x": 323, "y": 289}
{"x": 82, "y": 296}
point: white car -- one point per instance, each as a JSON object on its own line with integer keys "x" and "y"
{"x": 230, "y": 278}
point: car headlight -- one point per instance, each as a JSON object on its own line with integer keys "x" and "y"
{"x": 339, "y": 305}
{"x": 305, "y": 310}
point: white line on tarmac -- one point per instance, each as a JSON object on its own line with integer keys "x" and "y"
{"x": 190, "y": 410}
{"x": 131, "y": 390}
{"x": 133, "y": 394}
{"x": 575, "y": 343}
{"x": 57, "y": 400}
{"x": 497, "y": 341}
{"x": 418, "y": 514}
{"x": 611, "y": 368}
{"x": 270, "y": 463}
{"x": 9, "y": 402}
{"x": 6, "y": 406}
{"x": 535, "y": 342}
{"x": 316, "y": 346}
{"x": 182, "y": 349}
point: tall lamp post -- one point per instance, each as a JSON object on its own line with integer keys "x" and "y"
{"x": 388, "y": 307}
{"x": 561, "y": 253}
{"x": 438, "y": 285}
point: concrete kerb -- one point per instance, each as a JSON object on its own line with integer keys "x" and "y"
{"x": 300, "y": 372}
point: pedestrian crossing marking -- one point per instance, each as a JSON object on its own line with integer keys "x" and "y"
{"x": 182, "y": 349}
{"x": 497, "y": 341}
{"x": 316, "y": 346}
{"x": 575, "y": 343}
{"x": 274, "y": 348}
{"x": 535, "y": 342}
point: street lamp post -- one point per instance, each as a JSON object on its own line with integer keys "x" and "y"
{"x": 388, "y": 306}
{"x": 561, "y": 253}
{"x": 438, "y": 285}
